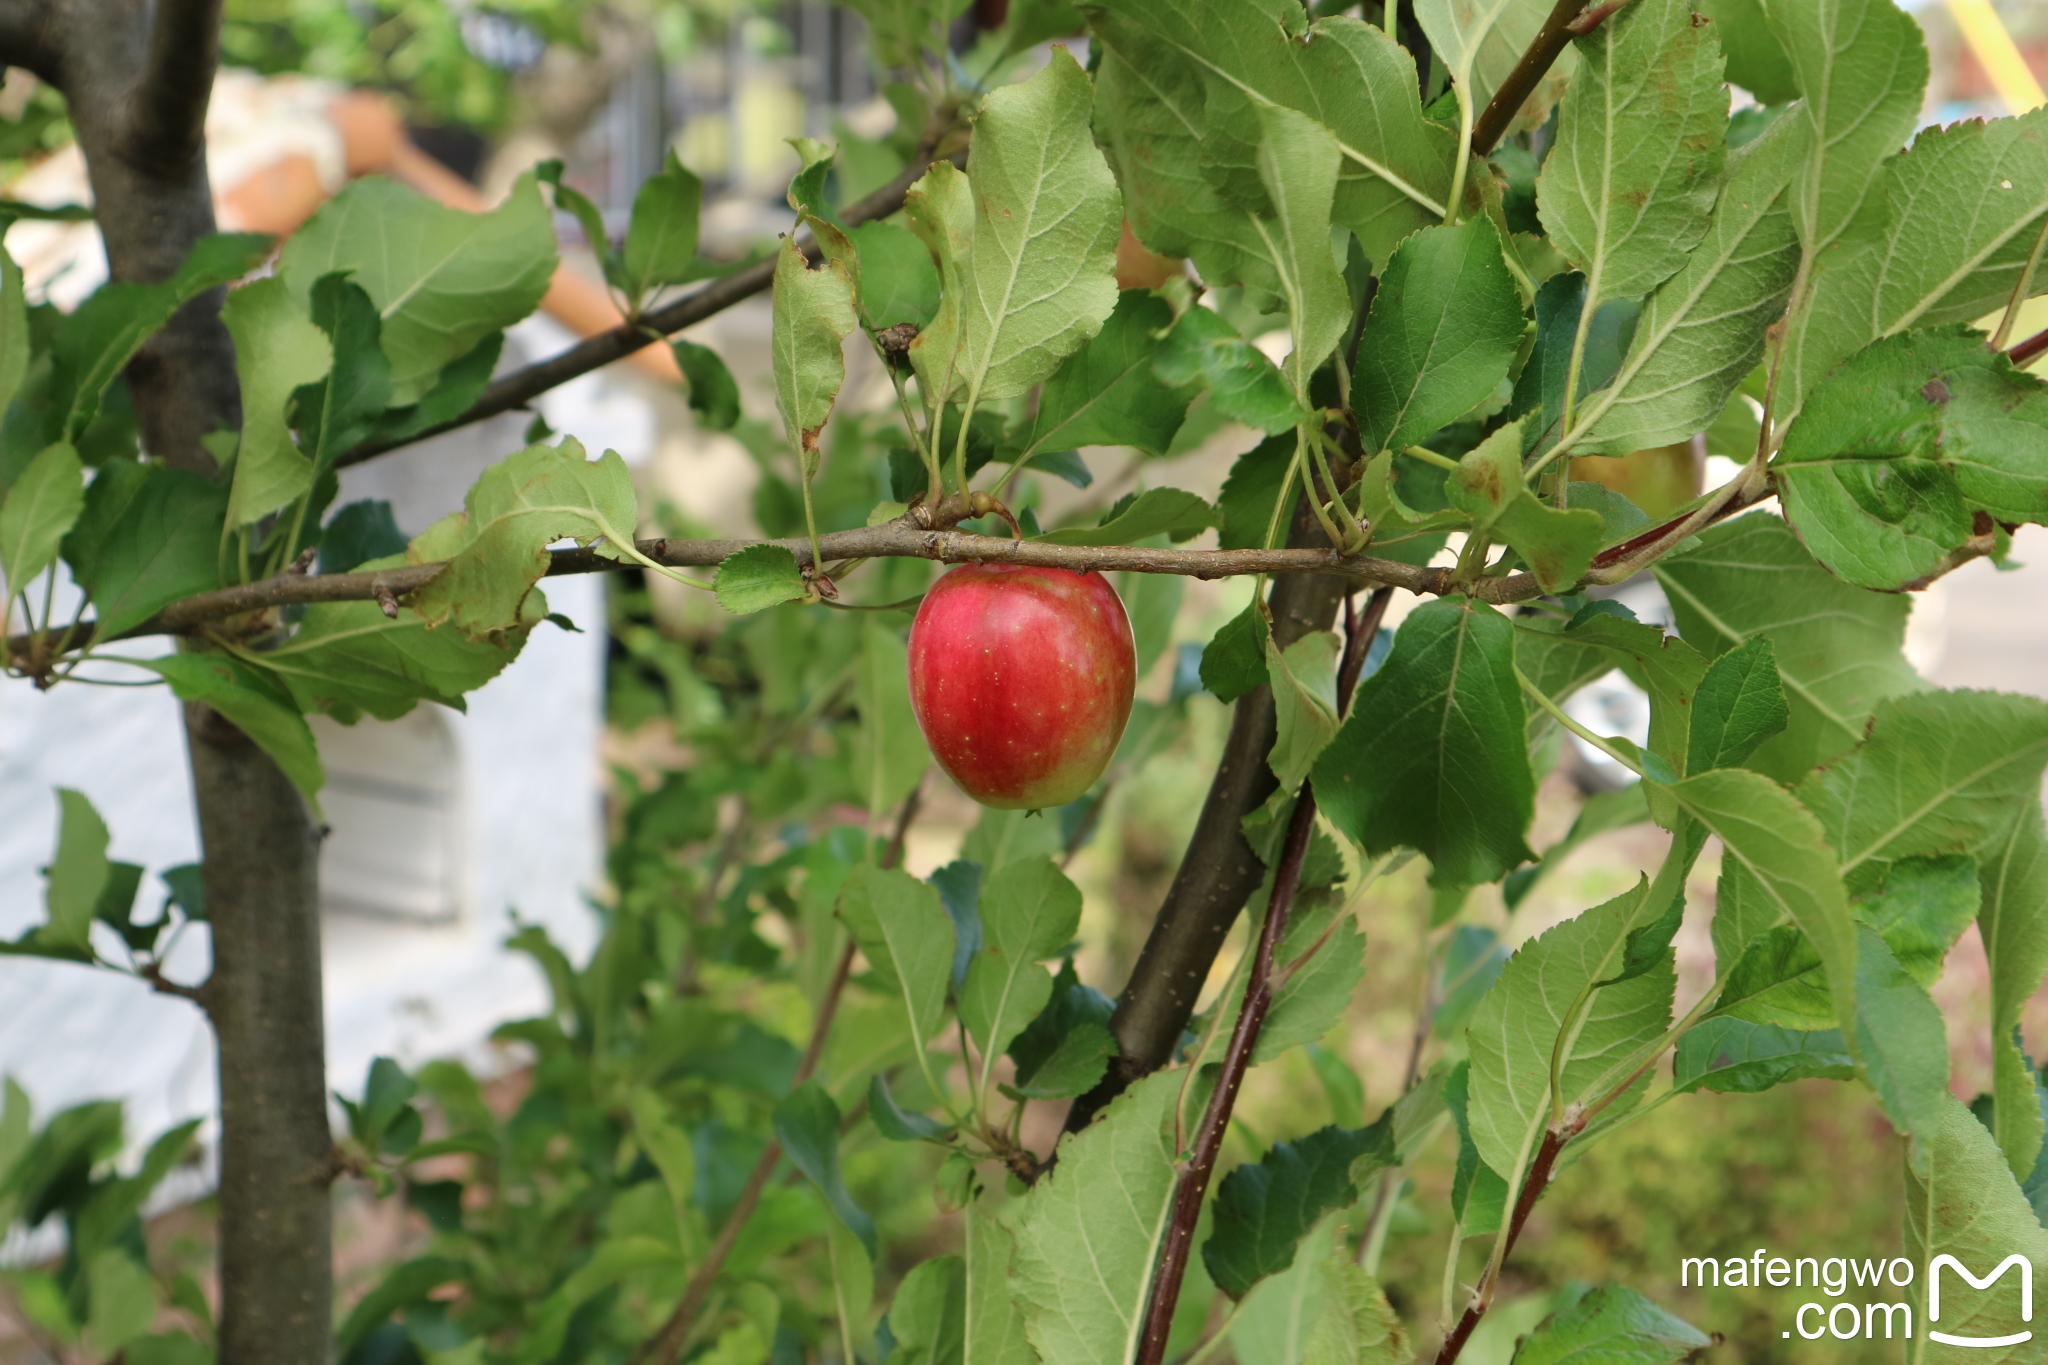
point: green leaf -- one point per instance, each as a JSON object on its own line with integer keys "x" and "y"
{"x": 1441, "y": 333}
{"x": 1921, "y": 910}
{"x": 37, "y": 512}
{"x": 888, "y": 754}
{"x": 758, "y": 577}
{"x": 1839, "y": 649}
{"x": 547, "y": 1324}
{"x": 1087, "y": 1233}
{"x": 1357, "y": 1325}
{"x": 1106, "y": 393}
{"x": 813, "y": 313}
{"x": 898, "y": 282}
{"x": 929, "y": 1314}
{"x": 807, "y": 1126}
{"x": 892, "y": 1121}
{"x": 1276, "y": 1320}
{"x": 1433, "y": 756}
{"x": 96, "y": 342}
{"x": 77, "y": 873}
{"x": 661, "y": 239}
{"x": 1265, "y": 1208}
{"x": 1730, "y": 1055}
{"x": 1942, "y": 772}
{"x": 1254, "y": 484}
{"x": 1613, "y": 1325}
{"x": 343, "y": 408}
{"x": 277, "y": 350}
{"x": 462, "y": 381}
{"x": 1073, "y": 1068}
{"x": 903, "y": 928}
{"x": 1560, "y": 305}
{"x": 349, "y": 656}
{"x": 358, "y": 533}
{"x": 1304, "y": 678}
{"x": 149, "y": 535}
{"x": 1203, "y": 348}
{"x": 1965, "y": 1205}
{"x": 1028, "y": 913}
{"x": 1965, "y": 205}
{"x": 1157, "y": 511}
{"x": 1901, "y": 1042}
{"x": 995, "y": 1323}
{"x": 1895, "y": 450}
{"x": 1314, "y": 996}
{"x": 1179, "y": 87}
{"x": 1702, "y": 330}
{"x": 14, "y": 334}
{"x": 1781, "y": 856}
{"x": 496, "y": 548}
{"x": 1558, "y": 546}
{"x": 1516, "y": 1029}
{"x": 1756, "y": 59}
{"x": 1038, "y": 280}
{"x": 1861, "y": 65}
{"x": 1666, "y": 667}
{"x": 257, "y": 704}
{"x": 1627, "y": 188}
{"x": 1298, "y": 164}
{"x": 2014, "y": 878}
{"x": 1739, "y": 704}
{"x": 714, "y": 393}
{"x": 1234, "y": 661}
{"x": 902, "y": 31}
{"x": 442, "y": 279}
{"x": 1074, "y": 1008}
{"x": 1479, "y": 42}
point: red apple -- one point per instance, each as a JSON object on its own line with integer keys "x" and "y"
{"x": 1022, "y": 680}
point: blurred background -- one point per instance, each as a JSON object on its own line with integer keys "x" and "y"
{"x": 448, "y": 826}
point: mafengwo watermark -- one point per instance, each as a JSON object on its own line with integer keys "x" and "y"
{"x": 1873, "y": 1298}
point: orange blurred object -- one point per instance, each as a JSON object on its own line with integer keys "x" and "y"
{"x": 282, "y": 195}
{"x": 1137, "y": 268}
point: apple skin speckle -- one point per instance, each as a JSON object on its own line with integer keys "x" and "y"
{"x": 1022, "y": 680}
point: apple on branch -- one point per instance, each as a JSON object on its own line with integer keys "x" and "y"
{"x": 1022, "y": 681}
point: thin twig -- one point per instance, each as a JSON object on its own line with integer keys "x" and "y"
{"x": 1542, "y": 54}
{"x": 902, "y": 538}
{"x": 2024, "y": 353}
{"x": 1533, "y": 1185}
{"x": 667, "y": 1342}
{"x": 1251, "y": 1019}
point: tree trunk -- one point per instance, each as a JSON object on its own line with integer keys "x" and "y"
{"x": 261, "y": 879}
{"x": 137, "y": 78}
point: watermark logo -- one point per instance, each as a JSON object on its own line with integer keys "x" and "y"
{"x": 2013, "y": 1262}
{"x": 1878, "y": 1279}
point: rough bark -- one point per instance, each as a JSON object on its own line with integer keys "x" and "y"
{"x": 137, "y": 79}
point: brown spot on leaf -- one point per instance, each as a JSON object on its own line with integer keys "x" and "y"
{"x": 1934, "y": 391}
{"x": 896, "y": 340}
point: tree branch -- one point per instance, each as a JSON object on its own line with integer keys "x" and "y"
{"x": 668, "y": 1341}
{"x": 521, "y": 387}
{"x": 166, "y": 115}
{"x": 1543, "y": 52}
{"x": 902, "y": 538}
{"x": 2024, "y": 353}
